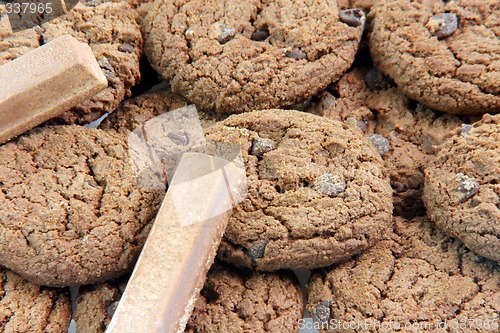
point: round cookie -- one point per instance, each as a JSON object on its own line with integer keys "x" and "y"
{"x": 72, "y": 212}
{"x": 462, "y": 187}
{"x": 25, "y": 307}
{"x": 407, "y": 131}
{"x": 232, "y": 300}
{"x": 318, "y": 192}
{"x": 444, "y": 54}
{"x": 114, "y": 37}
{"x": 421, "y": 280}
{"x": 236, "y": 56}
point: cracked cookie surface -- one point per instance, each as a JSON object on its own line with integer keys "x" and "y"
{"x": 368, "y": 101}
{"x": 462, "y": 187}
{"x": 72, "y": 212}
{"x": 135, "y": 112}
{"x": 25, "y": 307}
{"x": 444, "y": 54}
{"x": 231, "y": 300}
{"x": 236, "y": 56}
{"x": 115, "y": 39}
{"x": 318, "y": 192}
{"x": 419, "y": 277}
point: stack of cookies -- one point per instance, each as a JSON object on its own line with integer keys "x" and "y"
{"x": 371, "y": 147}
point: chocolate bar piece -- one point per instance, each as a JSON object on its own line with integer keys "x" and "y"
{"x": 45, "y": 82}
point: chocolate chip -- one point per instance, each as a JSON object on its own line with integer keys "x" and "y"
{"x": 376, "y": 80}
{"x": 467, "y": 187}
{"x": 107, "y": 68}
{"x": 330, "y": 185}
{"x": 112, "y": 308}
{"x": 380, "y": 142}
{"x": 226, "y": 34}
{"x": 362, "y": 125}
{"x": 179, "y": 138}
{"x": 262, "y": 146}
{"x": 210, "y": 293}
{"x": 295, "y": 54}
{"x": 443, "y": 25}
{"x": 125, "y": 47}
{"x": 353, "y": 17}
{"x": 321, "y": 312}
{"x": 260, "y": 35}
{"x": 466, "y": 128}
{"x": 257, "y": 249}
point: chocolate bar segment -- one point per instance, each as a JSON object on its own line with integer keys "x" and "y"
{"x": 45, "y": 82}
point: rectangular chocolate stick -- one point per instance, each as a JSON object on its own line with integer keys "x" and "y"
{"x": 181, "y": 247}
{"x": 45, "y": 82}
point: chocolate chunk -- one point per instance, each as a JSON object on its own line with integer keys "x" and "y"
{"x": 380, "y": 142}
{"x": 262, "y": 146}
{"x": 295, "y": 54}
{"x": 322, "y": 312}
{"x": 376, "y": 80}
{"x": 107, "y": 68}
{"x": 260, "y": 35}
{"x": 443, "y": 25}
{"x": 330, "y": 185}
{"x": 258, "y": 248}
{"x": 353, "y": 17}
{"x": 466, "y": 128}
{"x": 226, "y": 34}
{"x": 126, "y": 47}
{"x": 467, "y": 187}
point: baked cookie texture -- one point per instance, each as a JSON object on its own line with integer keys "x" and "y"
{"x": 231, "y": 300}
{"x": 236, "y": 56}
{"x": 318, "y": 192}
{"x": 114, "y": 37}
{"x": 96, "y": 304}
{"x": 235, "y": 300}
{"x": 135, "y": 112}
{"x": 72, "y": 212}
{"x": 462, "y": 187}
{"x": 444, "y": 54}
{"x": 369, "y": 102}
{"x": 419, "y": 277}
{"x": 25, "y": 307}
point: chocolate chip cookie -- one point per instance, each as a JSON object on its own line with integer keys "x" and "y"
{"x": 404, "y": 131}
{"x": 25, "y": 307}
{"x": 462, "y": 187}
{"x": 114, "y": 36}
{"x": 444, "y": 54}
{"x": 318, "y": 192}
{"x": 421, "y": 280}
{"x": 235, "y": 56}
{"x": 72, "y": 212}
{"x": 232, "y": 300}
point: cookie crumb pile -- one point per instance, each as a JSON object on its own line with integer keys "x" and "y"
{"x": 370, "y": 136}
